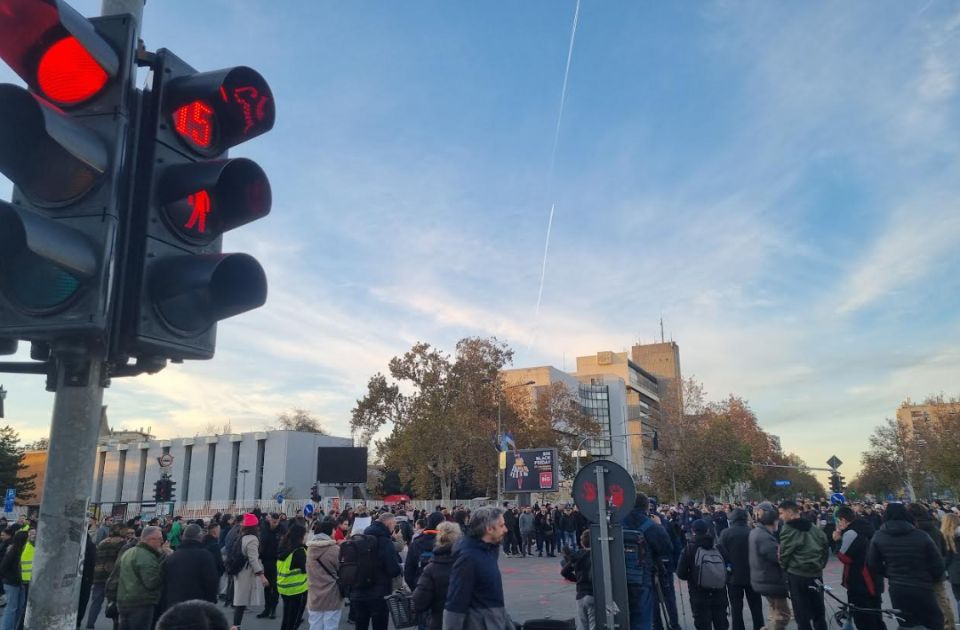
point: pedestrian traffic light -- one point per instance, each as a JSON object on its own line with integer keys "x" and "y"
{"x": 835, "y": 485}
{"x": 314, "y": 493}
{"x": 158, "y": 491}
{"x": 178, "y": 284}
{"x": 63, "y": 145}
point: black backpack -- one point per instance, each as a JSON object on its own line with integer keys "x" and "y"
{"x": 236, "y": 560}
{"x": 358, "y": 561}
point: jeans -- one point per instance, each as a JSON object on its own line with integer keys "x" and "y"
{"x": 808, "y": 604}
{"x": 737, "y": 594}
{"x": 372, "y": 612}
{"x": 139, "y": 618}
{"x": 97, "y": 596}
{"x": 866, "y": 621}
{"x": 640, "y": 600}
{"x": 293, "y": 606}
{"x": 15, "y": 601}
{"x": 271, "y": 596}
{"x": 669, "y": 601}
{"x": 585, "y": 613}
{"x": 919, "y": 606}
{"x": 570, "y": 540}
{"x": 709, "y": 609}
{"x": 779, "y": 612}
{"x": 324, "y": 619}
{"x": 529, "y": 539}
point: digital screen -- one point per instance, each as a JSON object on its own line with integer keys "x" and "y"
{"x": 531, "y": 470}
{"x": 341, "y": 465}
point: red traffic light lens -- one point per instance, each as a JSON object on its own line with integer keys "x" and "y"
{"x": 67, "y": 74}
{"x": 196, "y": 124}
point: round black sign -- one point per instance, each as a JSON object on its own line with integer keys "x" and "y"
{"x": 619, "y": 491}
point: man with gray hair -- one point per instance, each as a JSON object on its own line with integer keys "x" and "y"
{"x": 140, "y": 581}
{"x": 190, "y": 572}
{"x": 475, "y": 594}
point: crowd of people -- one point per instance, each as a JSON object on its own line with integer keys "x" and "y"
{"x": 145, "y": 575}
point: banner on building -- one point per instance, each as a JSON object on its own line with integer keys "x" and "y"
{"x": 530, "y": 470}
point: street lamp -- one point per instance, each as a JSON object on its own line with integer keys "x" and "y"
{"x": 500, "y": 431}
{"x": 243, "y": 495}
{"x": 3, "y": 395}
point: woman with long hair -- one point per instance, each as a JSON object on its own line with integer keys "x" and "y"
{"x": 430, "y": 593}
{"x": 249, "y": 583}
{"x": 11, "y": 574}
{"x": 950, "y": 528}
{"x": 292, "y": 581}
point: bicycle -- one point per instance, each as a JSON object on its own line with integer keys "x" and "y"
{"x": 844, "y": 616}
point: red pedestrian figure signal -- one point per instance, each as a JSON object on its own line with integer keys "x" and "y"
{"x": 200, "y": 202}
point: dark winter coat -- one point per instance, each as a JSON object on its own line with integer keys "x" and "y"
{"x": 720, "y": 522}
{"x": 475, "y": 594}
{"x": 905, "y": 556}
{"x": 931, "y": 528}
{"x": 804, "y": 550}
{"x": 421, "y": 545}
{"x": 213, "y": 546}
{"x": 10, "y": 566}
{"x": 854, "y": 543}
{"x": 734, "y": 543}
{"x": 388, "y": 565}
{"x": 430, "y": 593}
{"x": 269, "y": 543}
{"x": 766, "y": 574}
{"x": 107, "y": 553}
{"x": 685, "y": 567}
{"x": 579, "y": 569}
{"x": 953, "y": 561}
{"x": 189, "y": 573}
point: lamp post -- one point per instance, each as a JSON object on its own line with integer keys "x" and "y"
{"x": 3, "y": 396}
{"x": 243, "y": 495}
{"x": 500, "y": 431}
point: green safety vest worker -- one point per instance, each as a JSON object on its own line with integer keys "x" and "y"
{"x": 26, "y": 562}
{"x": 290, "y": 581}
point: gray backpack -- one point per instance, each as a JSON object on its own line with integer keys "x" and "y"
{"x": 710, "y": 569}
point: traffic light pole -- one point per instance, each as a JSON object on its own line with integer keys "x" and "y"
{"x": 61, "y": 538}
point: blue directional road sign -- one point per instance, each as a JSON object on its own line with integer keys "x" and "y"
{"x": 280, "y": 499}
{"x": 308, "y": 510}
{"x": 837, "y": 498}
{"x": 8, "y": 500}
{"x": 782, "y": 483}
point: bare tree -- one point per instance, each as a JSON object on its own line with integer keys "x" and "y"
{"x": 300, "y": 420}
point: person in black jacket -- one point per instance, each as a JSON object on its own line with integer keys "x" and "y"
{"x": 430, "y": 593}
{"x": 910, "y": 561}
{"x": 212, "y": 542}
{"x": 579, "y": 568}
{"x": 189, "y": 572}
{"x": 367, "y": 603}
{"x": 270, "y": 533}
{"x": 86, "y": 579}
{"x": 925, "y": 522}
{"x": 418, "y": 554}
{"x": 293, "y": 603}
{"x": 863, "y": 587}
{"x": 734, "y": 543}
{"x": 709, "y": 606}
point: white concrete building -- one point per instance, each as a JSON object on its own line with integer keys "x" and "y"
{"x": 233, "y": 469}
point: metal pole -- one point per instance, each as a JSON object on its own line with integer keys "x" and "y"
{"x": 61, "y": 538}
{"x": 499, "y": 444}
{"x": 608, "y": 603}
{"x": 119, "y": 7}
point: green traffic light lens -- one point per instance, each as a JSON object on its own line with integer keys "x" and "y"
{"x": 38, "y": 285}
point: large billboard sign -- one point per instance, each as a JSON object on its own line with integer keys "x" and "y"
{"x": 531, "y": 470}
{"x": 341, "y": 464}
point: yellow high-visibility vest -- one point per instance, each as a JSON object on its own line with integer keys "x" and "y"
{"x": 26, "y": 562}
{"x": 290, "y": 581}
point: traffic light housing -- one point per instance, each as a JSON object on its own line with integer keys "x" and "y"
{"x": 171, "y": 491}
{"x": 178, "y": 284}
{"x": 63, "y": 143}
{"x": 835, "y": 483}
{"x": 314, "y": 493}
{"x": 158, "y": 491}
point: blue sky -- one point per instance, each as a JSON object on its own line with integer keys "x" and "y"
{"x": 779, "y": 180}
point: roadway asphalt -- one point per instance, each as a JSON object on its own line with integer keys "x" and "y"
{"x": 534, "y": 589}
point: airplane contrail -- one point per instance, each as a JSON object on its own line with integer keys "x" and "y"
{"x": 553, "y": 158}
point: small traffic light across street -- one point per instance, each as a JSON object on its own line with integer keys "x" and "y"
{"x": 62, "y": 143}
